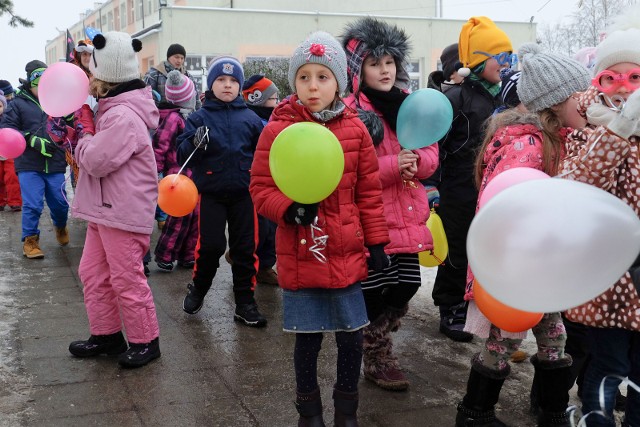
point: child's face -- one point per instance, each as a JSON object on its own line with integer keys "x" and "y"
{"x": 1, "y": 108}
{"x": 316, "y": 86}
{"x": 85, "y": 58}
{"x": 379, "y": 73}
{"x": 225, "y": 88}
{"x": 569, "y": 114}
{"x": 620, "y": 79}
{"x": 491, "y": 72}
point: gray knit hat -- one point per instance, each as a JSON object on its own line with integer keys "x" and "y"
{"x": 548, "y": 79}
{"x": 320, "y": 48}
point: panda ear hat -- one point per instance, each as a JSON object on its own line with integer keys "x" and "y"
{"x": 114, "y": 57}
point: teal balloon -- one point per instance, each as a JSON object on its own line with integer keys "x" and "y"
{"x": 306, "y": 162}
{"x": 424, "y": 118}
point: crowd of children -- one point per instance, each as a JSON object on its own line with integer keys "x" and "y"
{"x": 547, "y": 114}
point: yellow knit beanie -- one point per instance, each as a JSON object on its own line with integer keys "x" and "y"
{"x": 480, "y": 34}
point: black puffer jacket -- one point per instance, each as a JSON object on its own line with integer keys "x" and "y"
{"x": 472, "y": 106}
{"x": 41, "y": 155}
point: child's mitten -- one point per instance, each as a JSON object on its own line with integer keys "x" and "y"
{"x": 301, "y": 214}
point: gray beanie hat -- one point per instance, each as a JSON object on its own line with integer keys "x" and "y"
{"x": 320, "y": 48}
{"x": 114, "y": 57}
{"x": 548, "y": 79}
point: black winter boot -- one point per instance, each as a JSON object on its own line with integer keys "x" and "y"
{"x": 552, "y": 379}
{"x": 452, "y": 321}
{"x": 139, "y": 355}
{"x": 96, "y": 345}
{"x": 346, "y": 406}
{"x": 483, "y": 391}
{"x": 309, "y": 406}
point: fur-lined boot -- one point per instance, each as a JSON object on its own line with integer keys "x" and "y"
{"x": 380, "y": 366}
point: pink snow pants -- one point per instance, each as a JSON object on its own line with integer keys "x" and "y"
{"x": 115, "y": 285}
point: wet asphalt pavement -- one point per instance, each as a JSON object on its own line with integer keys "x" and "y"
{"x": 213, "y": 371}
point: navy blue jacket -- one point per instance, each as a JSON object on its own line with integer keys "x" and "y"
{"x": 41, "y": 155}
{"x": 223, "y": 169}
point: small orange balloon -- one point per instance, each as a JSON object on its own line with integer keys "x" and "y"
{"x": 504, "y": 317}
{"x": 177, "y": 195}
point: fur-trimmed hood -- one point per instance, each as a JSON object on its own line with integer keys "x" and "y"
{"x": 370, "y": 36}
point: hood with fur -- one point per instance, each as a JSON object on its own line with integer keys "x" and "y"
{"x": 369, "y": 36}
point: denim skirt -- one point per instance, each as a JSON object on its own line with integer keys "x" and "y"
{"x": 324, "y": 310}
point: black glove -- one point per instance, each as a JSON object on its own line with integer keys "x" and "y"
{"x": 301, "y": 214}
{"x": 201, "y": 138}
{"x": 378, "y": 259}
{"x": 43, "y": 145}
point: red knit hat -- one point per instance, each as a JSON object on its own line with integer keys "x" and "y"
{"x": 257, "y": 89}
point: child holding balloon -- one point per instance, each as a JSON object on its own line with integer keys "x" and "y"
{"x": 607, "y": 156}
{"x": 321, "y": 246}
{"x": 218, "y": 144}
{"x": 534, "y": 140}
{"x": 380, "y": 83}
{"x": 9, "y": 185}
{"x": 116, "y": 193}
{"x": 177, "y": 241}
{"x": 41, "y": 167}
{"x": 483, "y": 49}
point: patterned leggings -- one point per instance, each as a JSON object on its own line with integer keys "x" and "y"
{"x": 550, "y": 334}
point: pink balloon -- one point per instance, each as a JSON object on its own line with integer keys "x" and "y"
{"x": 12, "y": 143}
{"x": 508, "y": 179}
{"x": 63, "y": 88}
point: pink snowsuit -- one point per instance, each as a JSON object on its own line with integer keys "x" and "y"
{"x": 117, "y": 192}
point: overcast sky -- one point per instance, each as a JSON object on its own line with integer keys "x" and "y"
{"x": 20, "y": 45}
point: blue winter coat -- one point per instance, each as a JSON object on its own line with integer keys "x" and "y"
{"x": 223, "y": 169}
{"x": 41, "y": 154}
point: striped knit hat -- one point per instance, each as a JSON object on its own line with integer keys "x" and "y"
{"x": 180, "y": 90}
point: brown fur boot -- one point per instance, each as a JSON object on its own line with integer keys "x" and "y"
{"x": 380, "y": 366}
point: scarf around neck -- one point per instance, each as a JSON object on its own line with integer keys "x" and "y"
{"x": 387, "y": 103}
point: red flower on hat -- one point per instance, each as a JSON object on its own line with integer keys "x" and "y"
{"x": 317, "y": 49}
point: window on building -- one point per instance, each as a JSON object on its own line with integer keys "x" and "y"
{"x": 116, "y": 18}
{"x": 139, "y": 9}
{"x": 149, "y": 8}
{"x": 413, "y": 68}
{"x": 110, "y": 21}
{"x": 132, "y": 15}
{"x": 123, "y": 16}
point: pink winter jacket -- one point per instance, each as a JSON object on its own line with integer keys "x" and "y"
{"x": 118, "y": 184}
{"x": 406, "y": 206}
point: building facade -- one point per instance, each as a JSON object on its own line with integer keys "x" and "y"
{"x": 261, "y": 29}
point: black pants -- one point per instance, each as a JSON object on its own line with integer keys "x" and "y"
{"x": 240, "y": 215}
{"x": 305, "y": 359}
{"x": 266, "y": 249}
{"x": 448, "y": 289}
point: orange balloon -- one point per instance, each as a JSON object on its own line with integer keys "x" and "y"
{"x": 177, "y": 195}
{"x": 501, "y": 315}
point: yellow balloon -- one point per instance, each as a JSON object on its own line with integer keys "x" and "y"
{"x": 435, "y": 257}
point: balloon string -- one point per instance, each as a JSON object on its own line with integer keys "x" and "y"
{"x": 440, "y": 261}
{"x": 320, "y": 241}
{"x": 583, "y": 158}
{"x": 190, "y": 156}
{"x": 582, "y": 422}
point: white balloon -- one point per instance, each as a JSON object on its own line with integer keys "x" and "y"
{"x": 551, "y": 244}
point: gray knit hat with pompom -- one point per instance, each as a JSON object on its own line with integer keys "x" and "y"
{"x": 548, "y": 79}
{"x": 320, "y": 48}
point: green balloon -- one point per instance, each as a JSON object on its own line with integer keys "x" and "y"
{"x": 306, "y": 162}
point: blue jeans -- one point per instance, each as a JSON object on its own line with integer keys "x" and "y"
{"x": 35, "y": 187}
{"x": 614, "y": 351}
